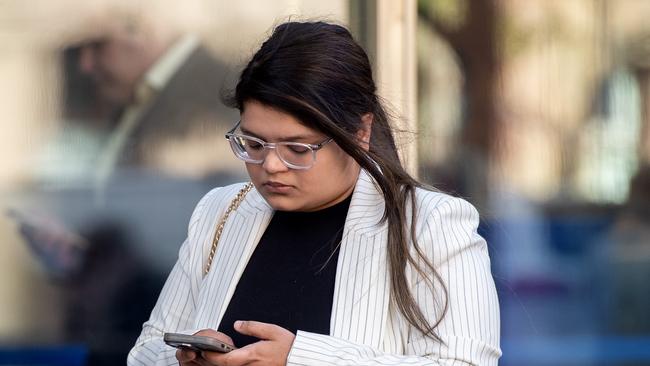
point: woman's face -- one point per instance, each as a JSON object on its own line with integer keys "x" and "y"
{"x": 329, "y": 181}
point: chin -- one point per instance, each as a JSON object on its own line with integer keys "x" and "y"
{"x": 281, "y": 203}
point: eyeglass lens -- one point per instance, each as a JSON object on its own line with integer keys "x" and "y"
{"x": 251, "y": 150}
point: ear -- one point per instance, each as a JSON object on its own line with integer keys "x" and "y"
{"x": 363, "y": 134}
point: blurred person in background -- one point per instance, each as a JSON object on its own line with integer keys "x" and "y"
{"x": 134, "y": 153}
{"x": 151, "y": 88}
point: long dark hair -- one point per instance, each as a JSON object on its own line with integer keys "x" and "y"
{"x": 316, "y": 72}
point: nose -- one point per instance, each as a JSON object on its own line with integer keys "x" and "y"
{"x": 272, "y": 163}
{"x": 87, "y": 60}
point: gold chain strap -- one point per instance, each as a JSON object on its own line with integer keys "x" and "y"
{"x": 217, "y": 235}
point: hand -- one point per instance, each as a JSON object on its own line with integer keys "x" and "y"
{"x": 188, "y": 357}
{"x": 272, "y": 349}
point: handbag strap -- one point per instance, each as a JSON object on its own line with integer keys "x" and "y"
{"x": 217, "y": 234}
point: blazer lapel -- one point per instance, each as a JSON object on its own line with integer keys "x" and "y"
{"x": 240, "y": 236}
{"x": 361, "y": 293}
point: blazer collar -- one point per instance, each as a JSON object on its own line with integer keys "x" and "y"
{"x": 361, "y": 292}
{"x": 366, "y": 207}
{"x": 253, "y": 204}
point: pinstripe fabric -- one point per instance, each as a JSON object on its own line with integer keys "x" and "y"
{"x": 365, "y": 329}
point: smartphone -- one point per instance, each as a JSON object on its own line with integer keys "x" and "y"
{"x": 197, "y": 343}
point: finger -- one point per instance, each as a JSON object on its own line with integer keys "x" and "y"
{"x": 185, "y": 355}
{"x": 201, "y": 361}
{"x": 214, "y": 334}
{"x": 260, "y": 330}
{"x": 239, "y": 357}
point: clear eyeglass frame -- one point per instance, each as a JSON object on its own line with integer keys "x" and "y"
{"x": 307, "y": 152}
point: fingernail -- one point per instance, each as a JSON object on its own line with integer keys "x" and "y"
{"x": 238, "y": 324}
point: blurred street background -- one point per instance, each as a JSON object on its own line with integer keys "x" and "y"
{"x": 536, "y": 111}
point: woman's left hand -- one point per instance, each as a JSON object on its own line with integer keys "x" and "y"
{"x": 272, "y": 349}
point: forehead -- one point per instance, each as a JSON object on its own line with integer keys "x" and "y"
{"x": 273, "y": 124}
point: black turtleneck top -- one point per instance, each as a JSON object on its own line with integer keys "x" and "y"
{"x": 289, "y": 279}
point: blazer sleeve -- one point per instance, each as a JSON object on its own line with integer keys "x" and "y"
{"x": 174, "y": 309}
{"x": 470, "y": 327}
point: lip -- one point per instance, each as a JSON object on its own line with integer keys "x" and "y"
{"x": 277, "y": 187}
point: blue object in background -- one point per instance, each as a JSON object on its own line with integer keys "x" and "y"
{"x": 574, "y": 234}
{"x": 72, "y": 355}
{"x": 576, "y": 350}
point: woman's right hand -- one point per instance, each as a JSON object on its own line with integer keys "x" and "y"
{"x": 188, "y": 357}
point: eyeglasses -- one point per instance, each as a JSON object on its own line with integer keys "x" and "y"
{"x": 294, "y": 155}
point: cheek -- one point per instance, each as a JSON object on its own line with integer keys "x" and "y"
{"x": 255, "y": 173}
{"x": 118, "y": 66}
{"x": 332, "y": 177}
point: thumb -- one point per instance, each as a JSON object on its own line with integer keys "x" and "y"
{"x": 185, "y": 355}
{"x": 260, "y": 330}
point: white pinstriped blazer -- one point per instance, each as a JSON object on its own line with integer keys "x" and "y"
{"x": 364, "y": 329}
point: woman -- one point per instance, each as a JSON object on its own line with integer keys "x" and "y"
{"x": 335, "y": 255}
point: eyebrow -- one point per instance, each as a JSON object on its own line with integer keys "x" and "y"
{"x": 285, "y": 139}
